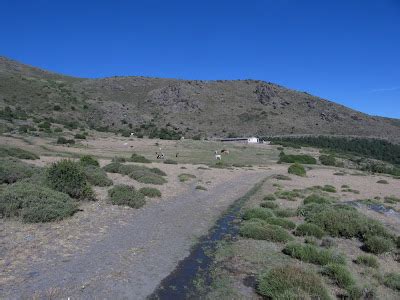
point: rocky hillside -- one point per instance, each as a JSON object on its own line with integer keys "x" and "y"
{"x": 208, "y": 108}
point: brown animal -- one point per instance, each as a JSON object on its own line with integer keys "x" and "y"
{"x": 224, "y": 151}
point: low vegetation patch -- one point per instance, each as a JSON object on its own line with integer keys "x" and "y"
{"x": 269, "y": 197}
{"x": 288, "y": 195}
{"x": 300, "y": 159}
{"x": 97, "y": 176}
{"x": 311, "y": 254}
{"x": 316, "y": 198}
{"x": 112, "y": 167}
{"x": 63, "y": 141}
{"x": 281, "y": 177}
{"x": 200, "y": 187}
{"x": 139, "y": 158}
{"x": 257, "y": 213}
{"x": 285, "y": 212}
{"x": 269, "y": 204}
{"x": 139, "y": 173}
{"x": 17, "y": 153}
{"x": 327, "y": 160}
{"x": 261, "y": 230}
{"x": 150, "y": 192}
{"x": 88, "y": 160}
{"x": 367, "y": 260}
{"x": 118, "y": 159}
{"x": 340, "y": 275}
{"x": 308, "y": 229}
{"x": 382, "y": 181}
{"x": 392, "y": 200}
{"x": 126, "y": 195}
{"x": 297, "y": 169}
{"x": 284, "y": 223}
{"x": 12, "y": 170}
{"x": 392, "y": 280}
{"x": 185, "y": 177}
{"x": 35, "y": 203}
{"x": 378, "y": 244}
{"x": 291, "y": 282}
{"x": 69, "y": 177}
{"x": 170, "y": 162}
{"x": 329, "y": 188}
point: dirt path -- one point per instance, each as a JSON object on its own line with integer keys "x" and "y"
{"x": 132, "y": 259}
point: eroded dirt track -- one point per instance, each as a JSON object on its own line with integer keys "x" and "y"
{"x": 135, "y": 255}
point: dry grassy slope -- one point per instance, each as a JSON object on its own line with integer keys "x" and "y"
{"x": 216, "y": 108}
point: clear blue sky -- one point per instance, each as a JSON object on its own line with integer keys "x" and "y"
{"x": 345, "y": 51}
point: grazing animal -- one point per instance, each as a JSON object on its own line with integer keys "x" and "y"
{"x": 218, "y": 156}
{"x": 224, "y": 151}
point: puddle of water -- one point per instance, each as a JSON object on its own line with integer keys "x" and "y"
{"x": 181, "y": 283}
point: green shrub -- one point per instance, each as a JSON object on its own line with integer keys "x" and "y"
{"x": 311, "y": 254}
{"x": 328, "y": 242}
{"x": 35, "y": 203}
{"x": 311, "y": 209}
{"x": 339, "y": 274}
{"x": 139, "y": 158}
{"x": 392, "y": 280}
{"x": 285, "y": 212}
{"x": 17, "y": 153}
{"x": 260, "y": 230}
{"x": 69, "y": 177}
{"x": 367, "y": 260}
{"x": 12, "y": 170}
{"x": 315, "y": 198}
{"x": 300, "y": 159}
{"x": 200, "y": 187}
{"x": 97, "y": 176}
{"x": 269, "y": 197}
{"x": 150, "y": 192}
{"x": 287, "y": 224}
{"x": 185, "y": 177}
{"x": 327, "y": 160}
{"x": 269, "y": 204}
{"x": 291, "y": 282}
{"x": 80, "y": 136}
{"x": 342, "y": 222}
{"x": 126, "y": 195}
{"x": 257, "y": 213}
{"x": 378, "y": 244}
{"x": 170, "y": 162}
{"x": 112, "y": 167}
{"x": 88, "y": 160}
{"x": 297, "y": 169}
{"x": 308, "y": 229}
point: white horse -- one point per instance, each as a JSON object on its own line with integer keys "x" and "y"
{"x": 218, "y": 156}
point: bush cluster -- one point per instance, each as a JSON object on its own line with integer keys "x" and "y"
{"x": 340, "y": 275}
{"x": 62, "y": 141}
{"x": 308, "y": 229}
{"x": 257, "y": 213}
{"x": 261, "y": 230}
{"x": 139, "y": 173}
{"x": 297, "y": 169}
{"x": 150, "y": 192}
{"x": 367, "y": 260}
{"x": 126, "y": 195}
{"x": 378, "y": 244}
{"x": 69, "y": 177}
{"x": 392, "y": 280}
{"x": 185, "y": 177}
{"x": 88, "y": 160}
{"x": 35, "y": 203}
{"x": 311, "y": 254}
{"x": 12, "y": 170}
{"x": 97, "y": 176}
{"x": 139, "y": 158}
{"x": 327, "y": 160}
{"x": 300, "y": 159}
{"x": 17, "y": 153}
{"x": 291, "y": 282}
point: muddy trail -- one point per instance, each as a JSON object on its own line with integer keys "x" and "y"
{"x": 135, "y": 256}
{"x": 181, "y": 284}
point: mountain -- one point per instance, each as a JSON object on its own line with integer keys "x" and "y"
{"x": 209, "y": 108}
